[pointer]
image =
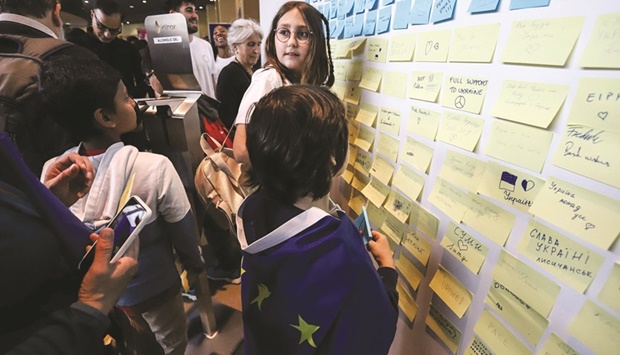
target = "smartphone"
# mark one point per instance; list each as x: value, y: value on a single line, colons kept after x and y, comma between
x: 127, y: 223
x: 363, y: 225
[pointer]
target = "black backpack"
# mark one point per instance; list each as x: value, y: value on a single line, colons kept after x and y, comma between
x: 37, y: 137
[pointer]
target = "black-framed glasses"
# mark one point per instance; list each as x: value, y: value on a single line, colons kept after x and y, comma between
x: 104, y: 28
x: 283, y: 34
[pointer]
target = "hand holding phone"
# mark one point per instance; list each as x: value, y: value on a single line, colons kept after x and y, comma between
x: 363, y: 225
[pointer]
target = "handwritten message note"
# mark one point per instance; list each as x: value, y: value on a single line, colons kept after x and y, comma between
x: 447, y: 332
x: 449, y: 199
x: 353, y: 131
x: 526, y: 283
x: 402, y: 47
x: 497, y: 337
x: 433, y: 46
x: 406, y: 302
x: 603, y: 49
x: 423, y: 122
x: 474, y: 44
x: 365, y: 137
x: 465, y: 94
x: 360, y: 180
x: 388, y: 146
x: 377, y: 50
x: 354, y: 70
x: 340, y: 70
x: 409, y: 182
x: 393, y: 229
x: 609, y: 292
x: 376, y: 191
x: 371, y: 79
x: 443, y: 10
x: 395, y: 84
x: 477, y: 346
x: 596, y: 328
x: 586, y: 214
x: 363, y: 162
x: 347, y: 175
x: 462, y: 170
x: 490, y: 220
x: 542, y: 41
x: 518, y: 144
x: 517, y: 313
x: 590, y: 152
x: 412, y: 275
x: 569, y: 261
x: 424, y: 221
x: 385, y: 17
x: 353, y: 93
x: 556, y: 346
x: 418, y: 246
x: 454, y: 294
x: 597, y: 104
x: 534, y: 104
x: 399, y: 206
x: 464, y: 247
x: 417, y: 154
x: 356, y: 201
x: 425, y: 85
x: 339, y: 89
x: 510, y: 186
x: 460, y: 130
x: 382, y: 170
x: 367, y: 114
x: 376, y: 214
x: 352, y: 154
x: 370, y: 26
x: 401, y: 15
x: 389, y: 120
x: 351, y: 111
x: 421, y: 11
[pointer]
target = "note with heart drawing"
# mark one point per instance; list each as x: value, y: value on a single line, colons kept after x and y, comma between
x: 464, y: 247
x: 433, y: 46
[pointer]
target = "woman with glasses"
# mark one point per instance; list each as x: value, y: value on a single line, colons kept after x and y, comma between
x: 298, y: 52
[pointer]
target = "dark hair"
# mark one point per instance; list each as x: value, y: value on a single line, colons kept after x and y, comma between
x: 174, y: 5
x: 73, y: 88
x: 33, y: 8
x: 108, y: 7
x: 320, y: 69
x: 297, y: 142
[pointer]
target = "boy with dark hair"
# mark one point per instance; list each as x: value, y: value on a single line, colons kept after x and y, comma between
x: 308, y: 277
x: 90, y: 100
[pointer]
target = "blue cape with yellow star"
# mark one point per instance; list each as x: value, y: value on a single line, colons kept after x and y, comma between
x: 309, y: 286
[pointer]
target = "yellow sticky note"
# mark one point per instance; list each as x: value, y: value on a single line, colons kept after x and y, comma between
x: 352, y: 93
x: 347, y: 175
x: 451, y: 291
x: 388, y: 146
x: 339, y: 89
x: 351, y: 111
x: 590, y: 216
x: 602, y: 49
x: 354, y: 70
x: 412, y: 275
x: 357, y: 45
x: 556, y: 346
x: 490, y: 220
x: 568, y: 260
x: 518, y: 314
x: 409, y: 182
x: 477, y: 347
x: 423, y: 122
x: 596, y: 104
x: 352, y: 154
x: 377, y: 50
x: 460, y: 130
x: 590, y: 152
x: 543, y: 41
x: 425, y: 85
x: 363, y: 162
x: 424, y: 221
x: 449, y: 199
x: 371, y: 79
x: 510, y: 186
x: 399, y: 206
x: 401, y: 48
x: 464, y: 247
x: 395, y: 84
x: 376, y: 192
x: 447, y: 332
x: 357, y: 201
x: 365, y: 137
x: 382, y: 170
x: 367, y: 114
x: 535, y: 104
x: 526, y: 283
x: 406, y: 302
x: 393, y: 229
x: 433, y: 46
x: 353, y: 131
x: 376, y: 214
x: 360, y: 180
x: 610, y: 294
x: 417, y: 154
x: 418, y: 246
x: 497, y: 337
x: 340, y: 68
x: 389, y: 120
x: 521, y: 145
x: 462, y: 170
x: 474, y: 43
x: 596, y: 328
x: 464, y: 93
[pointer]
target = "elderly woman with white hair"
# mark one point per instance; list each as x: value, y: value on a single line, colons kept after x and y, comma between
x: 244, y: 38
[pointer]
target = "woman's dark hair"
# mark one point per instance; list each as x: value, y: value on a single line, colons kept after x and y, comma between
x: 297, y: 142
x: 320, y: 69
x: 34, y: 8
x: 72, y: 89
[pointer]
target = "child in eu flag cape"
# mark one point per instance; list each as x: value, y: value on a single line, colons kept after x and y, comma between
x: 308, y: 283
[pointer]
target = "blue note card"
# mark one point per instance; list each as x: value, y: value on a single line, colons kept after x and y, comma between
x: 385, y: 17
x: 358, y: 26
x: 420, y: 12
x: 333, y: 11
x: 371, y: 23
x: 524, y: 4
x: 483, y: 6
x: 363, y: 225
x: 401, y: 17
x: 443, y: 10
x: 387, y: 2
x: 348, y: 7
x: 371, y: 4
x: 348, y: 27
x: 341, y: 9
x: 359, y: 6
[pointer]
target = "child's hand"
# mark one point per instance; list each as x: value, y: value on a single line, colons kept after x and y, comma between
x: 380, y: 250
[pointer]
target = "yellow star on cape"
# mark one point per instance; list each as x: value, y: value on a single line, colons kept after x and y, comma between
x: 306, y: 331
x: 263, y: 293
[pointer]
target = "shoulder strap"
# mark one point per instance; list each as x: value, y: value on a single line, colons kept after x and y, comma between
x: 216, y: 158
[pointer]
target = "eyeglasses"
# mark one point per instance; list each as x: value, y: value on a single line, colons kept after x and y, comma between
x: 104, y: 28
x: 283, y: 34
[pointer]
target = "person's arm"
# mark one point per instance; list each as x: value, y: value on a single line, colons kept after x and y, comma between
x: 239, y: 149
x: 69, y: 178
x: 379, y: 247
x: 185, y: 242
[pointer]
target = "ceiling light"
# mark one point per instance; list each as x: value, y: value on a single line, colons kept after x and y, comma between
x: 68, y: 23
x: 200, y: 7
x: 144, y: 1
x: 131, y: 6
x: 86, y: 1
x: 127, y: 22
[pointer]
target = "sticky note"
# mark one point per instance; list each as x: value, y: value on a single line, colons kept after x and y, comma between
x: 596, y: 104
x: 353, y: 93
x: 360, y: 180
x: 477, y: 6
x: 376, y: 191
x: 402, y: 47
x: 418, y: 246
x: 424, y: 221
x: 602, y: 49
x: 401, y: 15
x: 406, y: 302
x: 398, y: 205
x: 363, y: 162
x: 354, y: 70
x: 347, y: 175
x: 556, y: 346
x: 464, y: 93
x: 385, y: 17
x: 408, y: 181
x: 596, y: 328
x: 376, y: 214
x: 423, y: 122
x: 371, y: 79
x: 609, y: 292
x: 454, y: 294
x: 393, y: 229
x: 425, y: 85
x: 447, y: 332
x: 395, y: 84
x: 389, y: 120
x: 388, y: 146
x: 477, y: 346
x: 462, y: 170
x: 411, y: 274
x: 460, y: 130
x: 498, y: 337
x: 421, y: 11
x: 474, y: 44
x: 433, y: 46
x: 449, y: 199
x: 490, y: 220
x: 417, y: 154
x: 377, y: 50
x: 351, y: 111
x: 464, y: 247
x: 443, y: 10
x: 367, y: 114
x: 365, y: 137
x: 382, y: 170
